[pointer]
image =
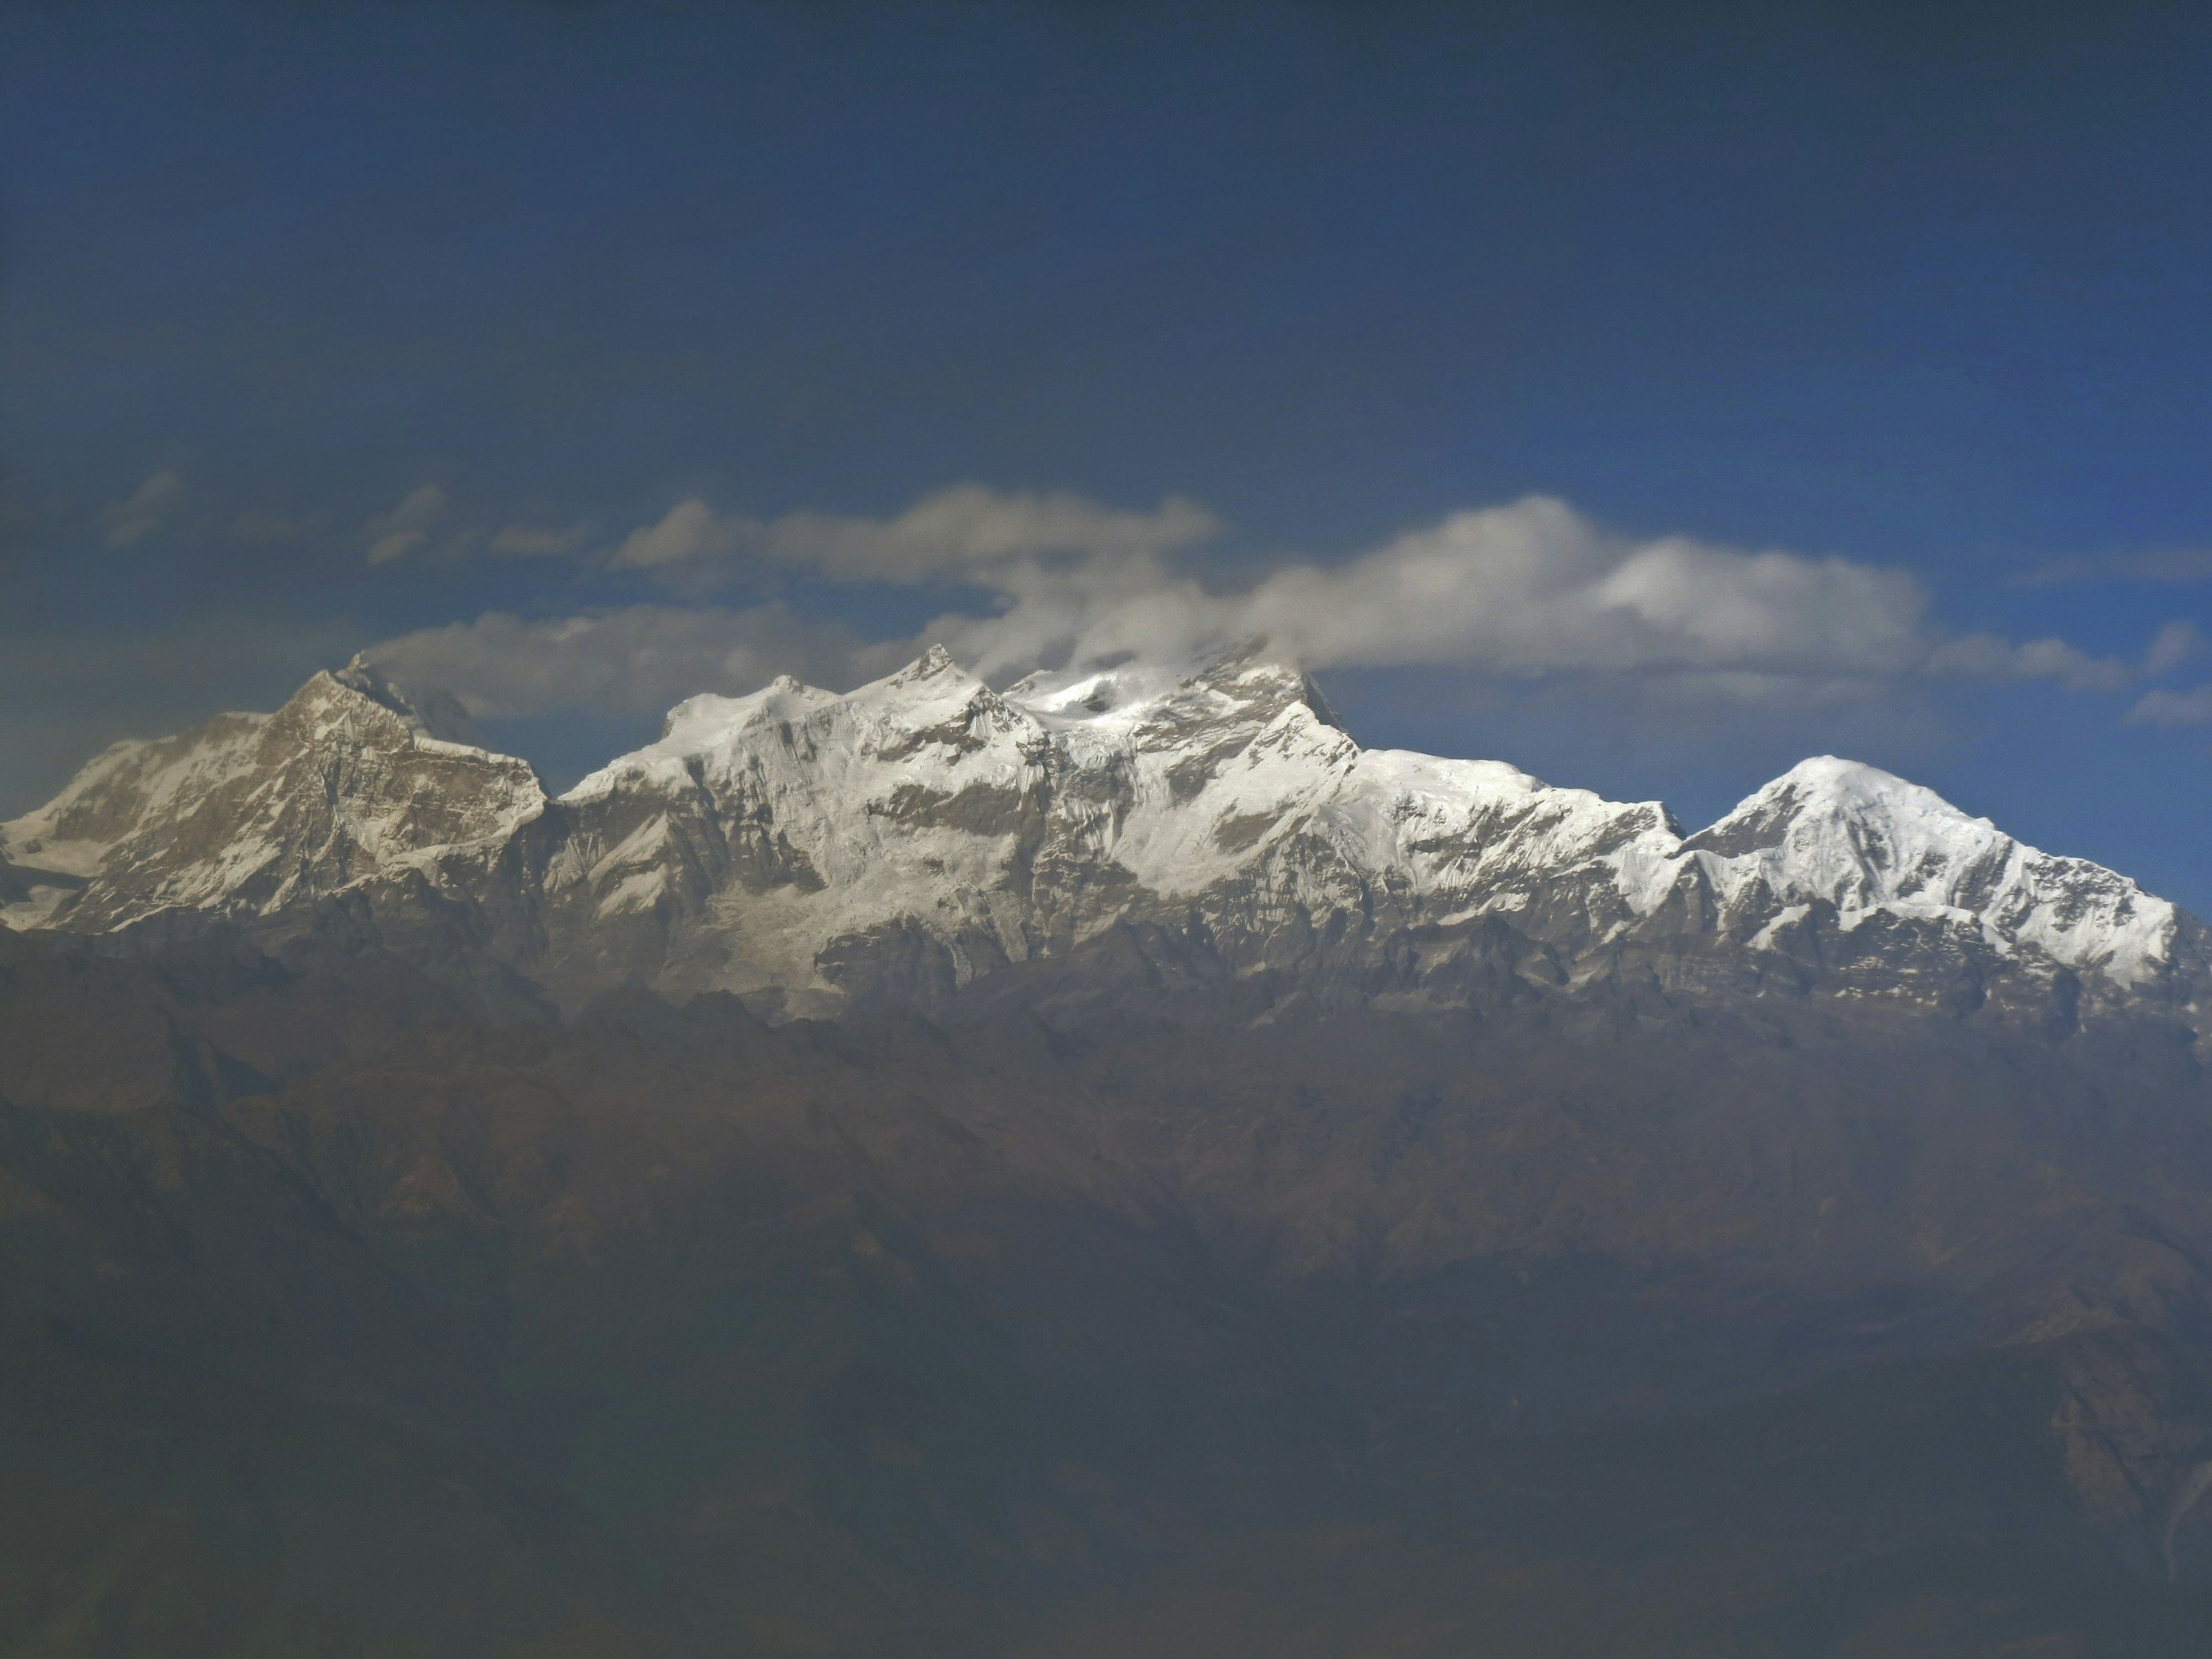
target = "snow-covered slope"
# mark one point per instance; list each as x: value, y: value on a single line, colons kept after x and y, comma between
x: 1213, y: 828
x: 1868, y: 843
x: 926, y: 829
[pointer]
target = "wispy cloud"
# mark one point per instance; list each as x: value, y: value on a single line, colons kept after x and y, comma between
x: 962, y: 531
x: 394, y: 535
x: 953, y: 534
x: 534, y: 541
x: 143, y: 511
x: 1987, y: 657
x: 2167, y: 564
x: 690, y: 541
x: 2176, y: 643
x: 2163, y: 707
x: 1531, y: 588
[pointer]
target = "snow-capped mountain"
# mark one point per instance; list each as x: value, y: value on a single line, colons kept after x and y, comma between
x: 1211, y: 835
x: 1832, y: 832
x: 254, y: 815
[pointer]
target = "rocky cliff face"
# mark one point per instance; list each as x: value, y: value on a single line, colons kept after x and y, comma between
x: 263, y: 816
x: 1093, y: 838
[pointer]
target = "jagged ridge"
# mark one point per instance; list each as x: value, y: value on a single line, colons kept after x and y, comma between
x: 903, y: 842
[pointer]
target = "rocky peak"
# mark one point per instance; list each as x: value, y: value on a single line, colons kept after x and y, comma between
x: 934, y: 710
x: 928, y: 665
x: 429, y: 713
x: 251, y: 813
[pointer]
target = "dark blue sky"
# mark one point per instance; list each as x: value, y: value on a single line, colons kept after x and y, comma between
x: 1924, y: 296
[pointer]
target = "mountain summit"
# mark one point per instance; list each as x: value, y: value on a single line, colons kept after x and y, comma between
x: 1206, y: 842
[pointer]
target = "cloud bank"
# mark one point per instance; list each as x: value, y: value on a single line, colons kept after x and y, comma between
x: 1529, y: 590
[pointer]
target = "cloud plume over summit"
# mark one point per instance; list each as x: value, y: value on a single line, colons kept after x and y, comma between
x: 1532, y: 587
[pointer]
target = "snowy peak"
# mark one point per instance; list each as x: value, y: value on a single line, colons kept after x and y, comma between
x: 932, y: 664
x: 1825, y: 793
x: 1857, y: 835
x: 934, y: 709
x: 250, y: 812
x: 759, y: 830
x: 761, y: 835
x: 1128, y: 695
x: 699, y: 730
x: 930, y: 714
x: 1866, y: 842
x: 899, y: 841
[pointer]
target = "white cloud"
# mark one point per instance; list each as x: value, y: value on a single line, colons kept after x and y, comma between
x: 1985, y: 656
x: 393, y: 535
x: 1531, y: 590
x: 1534, y: 587
x: 141, y: 513
x: 691, y: 533
x: 1524, y: 590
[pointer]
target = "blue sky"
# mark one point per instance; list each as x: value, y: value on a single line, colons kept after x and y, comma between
x: 643, y: 331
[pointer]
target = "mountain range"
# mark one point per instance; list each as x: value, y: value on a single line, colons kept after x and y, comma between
x: 1101, y: 1165
x: 1210, y: 839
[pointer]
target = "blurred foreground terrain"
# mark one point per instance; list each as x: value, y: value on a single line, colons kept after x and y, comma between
x: 1108, y: 1168
x: 343, y: 1321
